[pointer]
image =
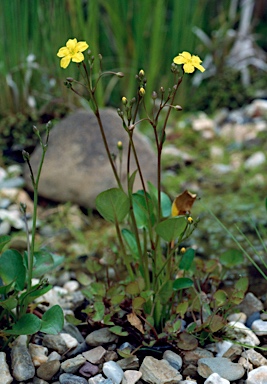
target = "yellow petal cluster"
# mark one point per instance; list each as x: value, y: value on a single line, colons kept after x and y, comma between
x: 190, y: 62
x: 72, y: 52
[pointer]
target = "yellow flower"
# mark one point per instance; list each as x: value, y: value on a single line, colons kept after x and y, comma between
x: 142, y: 91
x: 190, y: 62
x: 190, y: 220
x: 72, y: 51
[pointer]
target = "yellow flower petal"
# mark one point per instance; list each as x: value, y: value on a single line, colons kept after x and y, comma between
x: 64, y: 62
x: 188, y: 68
x: 71, y: 43
x: 63, y: 52
x: 82, y: 46
x: 179, y: 60
x: 78, y: 57
x: 186, y: 55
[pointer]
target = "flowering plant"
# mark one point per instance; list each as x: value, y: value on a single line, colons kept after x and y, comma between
x: 151, y: 229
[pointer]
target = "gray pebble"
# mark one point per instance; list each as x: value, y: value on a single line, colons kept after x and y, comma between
x: 47, y: 370
x: 22, y: 365
x: 99, y: 337
x: 73, y: 365
x: 173, y: 359
x: 113, y: 371
x: 6, y: 378
x: 68, y: 378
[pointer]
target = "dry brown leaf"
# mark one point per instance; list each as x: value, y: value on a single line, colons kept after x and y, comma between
x: 135, y: 322
x: 182, y: 204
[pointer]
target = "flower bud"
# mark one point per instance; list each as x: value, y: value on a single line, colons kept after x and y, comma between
x: 183, y: 250
x: 25, y: 155
x: 100, y: 56
x: 142, y: 91
x: 154, y: 95
x: 119, y: 145
x: 35, y: 129
x: 124, y: 100
x: 190, y: 220
x: 178, y: 108
x: 70, y: 79
x: 162, y: 90
x: 141, y: 73
x: 120, y: 113
x: 120, y: 74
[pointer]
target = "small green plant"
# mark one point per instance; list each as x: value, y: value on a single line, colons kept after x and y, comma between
x: 151, y: 229
x: 19, y: 314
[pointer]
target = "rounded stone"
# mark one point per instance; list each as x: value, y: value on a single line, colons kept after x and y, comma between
x: 47, y: 370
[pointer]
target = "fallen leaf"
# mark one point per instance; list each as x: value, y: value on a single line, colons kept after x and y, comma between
x: 135, y: 322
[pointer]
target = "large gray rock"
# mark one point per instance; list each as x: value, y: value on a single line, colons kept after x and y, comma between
x: 76, y: 166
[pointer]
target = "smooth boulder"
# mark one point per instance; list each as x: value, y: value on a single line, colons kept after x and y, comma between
x: 76, y: 166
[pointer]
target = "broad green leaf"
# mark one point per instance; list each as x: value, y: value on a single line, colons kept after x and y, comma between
x: 94, y: 289
x: 187, y: 259
x: 166, y: 203
x: 118, y: 330
x: 135, y: 287
x: 27, y: 325
x: 12, y: 268
x: 131, y: 242
x: 99, y: 308
x: 182, y: 283
x: 3, y: 241
x: 242, y: 284
x: 9, y: 303
x: 220, y: 297
x: 72, y: 320
x: 138, y: 303
x: 170, y: 229
x: 113, y: 205
x: 4, y: 289
x: 117, y: 299
x: 231, y: 258
x: 143, y: 213
x: 182, y: 308
x: 215, y: 323
x: 52, y: 320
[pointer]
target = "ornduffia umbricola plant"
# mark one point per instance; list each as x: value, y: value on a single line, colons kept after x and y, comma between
x: 18, y: 290
x: 150, y: 228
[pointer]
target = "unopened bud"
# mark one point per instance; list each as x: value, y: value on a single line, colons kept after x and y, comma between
x: 190, y: 220
x: 154, y: 95
x: 100, y: 56
x: 25, y: 155
x: 141, y: 73
x: 133, y: 101
x: 142, y: 91
x: 23, y: 207
x: 124, y: 100
x: 120, y: 113
x: 119, y: 145
x: 183, y: 250
x: 178, y: 108
x: 162, y: 90
x: 120, y: 74
x: 35, y: 129
x: 70, y: 79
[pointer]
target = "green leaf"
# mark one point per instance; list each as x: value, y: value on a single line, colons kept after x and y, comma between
x: 117, y: 299
x: 9, y: 303
x: 143, y: 213
x: 52, y: 320
x: 220, y: 297
x: 3, y: 241
x: 182, y: 308
x: 182, y: 283
x: 72, y: 320
x: 138, y: 303
x: 165, y: 292
x: 12, y: 268
x: 242, y: 284
x: 131, y: 181
x: 45, y: 262
x: 215, y: 323
x: 27, y: 325
x: 170, y: 229
x: 131, y: 242
x: 187, y: 259
x: 94, y: 289
x: 99, y: 308
x: 113, y: 205
x: 166, y: 203
x: 29, y: 296
x: 118, y: 331
x: 4, y: 289
x: 231, y: 258
x: 135, y: 287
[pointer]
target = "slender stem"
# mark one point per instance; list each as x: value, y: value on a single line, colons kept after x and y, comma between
x: 123, y: 250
